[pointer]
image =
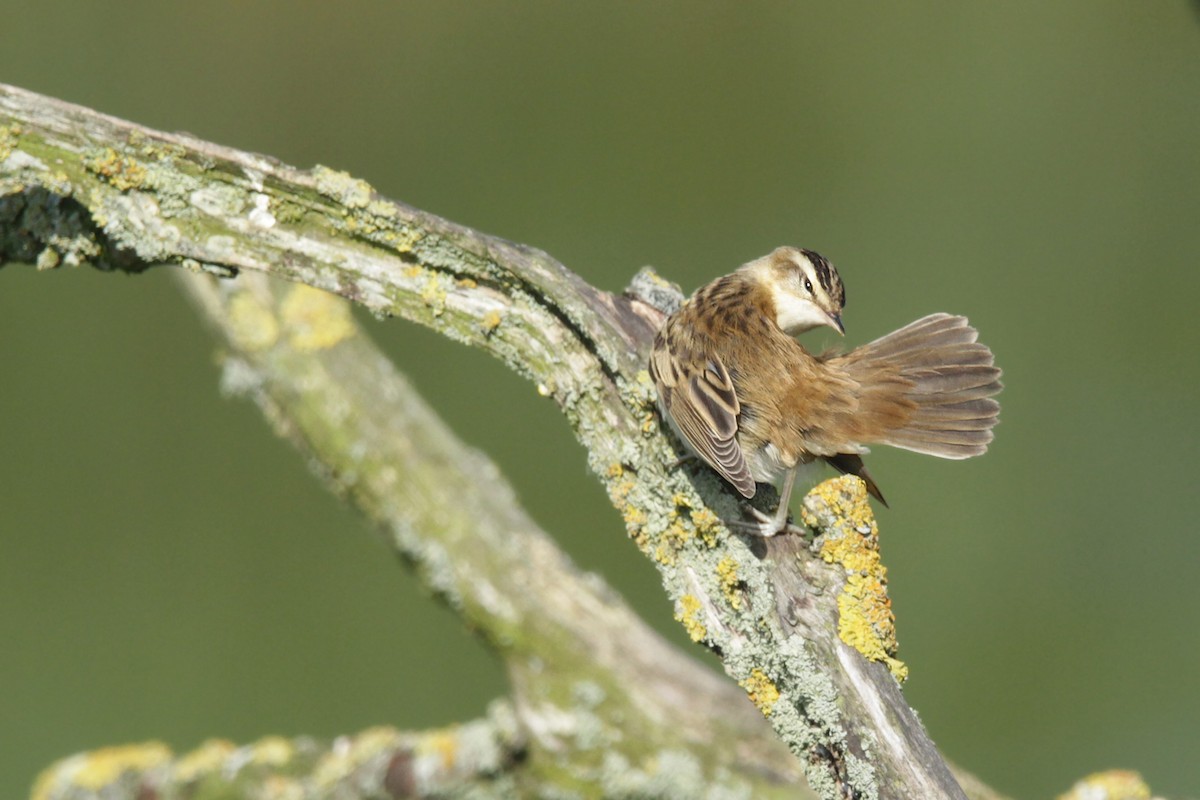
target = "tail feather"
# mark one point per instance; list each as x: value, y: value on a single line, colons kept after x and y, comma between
x: 947, y: 378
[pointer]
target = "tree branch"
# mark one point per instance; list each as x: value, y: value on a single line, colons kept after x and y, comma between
x: 585, y: 670
x: 77, y: 186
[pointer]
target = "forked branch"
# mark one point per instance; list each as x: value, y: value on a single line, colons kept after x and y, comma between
x: 77, y: 186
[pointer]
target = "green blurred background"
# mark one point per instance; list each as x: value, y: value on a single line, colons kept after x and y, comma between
x: 168, y: 569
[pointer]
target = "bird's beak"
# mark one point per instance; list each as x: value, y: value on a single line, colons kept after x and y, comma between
x: 835, y: 321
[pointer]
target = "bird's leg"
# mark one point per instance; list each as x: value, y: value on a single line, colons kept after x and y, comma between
x: 690, y: 458
x: 771, y: 525
x: 785, y: 499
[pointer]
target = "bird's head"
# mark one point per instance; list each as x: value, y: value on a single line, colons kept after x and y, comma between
x: 805, y: 288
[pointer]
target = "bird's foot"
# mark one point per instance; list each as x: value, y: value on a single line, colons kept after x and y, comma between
x: 765, y: 525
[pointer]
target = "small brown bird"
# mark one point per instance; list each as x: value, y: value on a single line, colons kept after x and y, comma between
x: 755, y: 405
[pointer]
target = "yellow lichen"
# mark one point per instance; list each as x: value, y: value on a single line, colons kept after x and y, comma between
x: 442, y: 745
x: 402, y: 240
x: 8, y: 139
x: 204, y: 760
x: 99, y: 768
x: 251, y: 324
x: 315, y: 320
x: 465, y: 283
x: 433, y: 294
x: 727, y: 574
x: 762, y: 691
x: 272, y: 751
x: 678, y: 534
x: 846, y: 498
x: 122, y: 172
x: 349, y: 191
x: 708, y: 525
x: 1115, y: 784
x: 281, y: 787
x: 634, y: 517
x: 867, y: 624
x: 865, y: 618
x: 615, y: 470
x: 619, y: 490
x: 690, y: 612
x: 491, y: 320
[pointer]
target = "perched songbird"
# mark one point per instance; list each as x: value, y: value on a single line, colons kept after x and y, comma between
x: 755, y: 405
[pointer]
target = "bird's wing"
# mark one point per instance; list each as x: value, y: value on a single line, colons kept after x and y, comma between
x: 699, y: 397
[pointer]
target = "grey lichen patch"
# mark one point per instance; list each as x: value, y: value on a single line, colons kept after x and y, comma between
x: 218, y: 199
x: 134, y: 223
x: 862, y: 776
x: 655, y: 291
x: 46, y: 228
x: 433, y: 561
x: 668, y: 774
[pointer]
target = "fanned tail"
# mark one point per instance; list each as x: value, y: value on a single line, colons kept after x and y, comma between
x: 948, y: 380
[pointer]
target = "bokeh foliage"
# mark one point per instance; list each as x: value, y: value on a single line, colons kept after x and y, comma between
x: 169, y: 570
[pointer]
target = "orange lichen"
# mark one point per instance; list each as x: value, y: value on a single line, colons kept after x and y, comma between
x: 122, y: 172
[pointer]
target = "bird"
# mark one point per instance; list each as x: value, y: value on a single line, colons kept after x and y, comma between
x: 755, y: 405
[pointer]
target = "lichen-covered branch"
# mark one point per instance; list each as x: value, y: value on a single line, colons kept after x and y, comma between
x: 77, y: 186
x: 596, y: 692
x: 470, y: 760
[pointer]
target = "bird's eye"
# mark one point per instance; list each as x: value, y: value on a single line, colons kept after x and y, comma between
x: 808, y: 285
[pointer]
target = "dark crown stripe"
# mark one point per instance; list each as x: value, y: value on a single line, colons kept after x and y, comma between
x: 826, y: 275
